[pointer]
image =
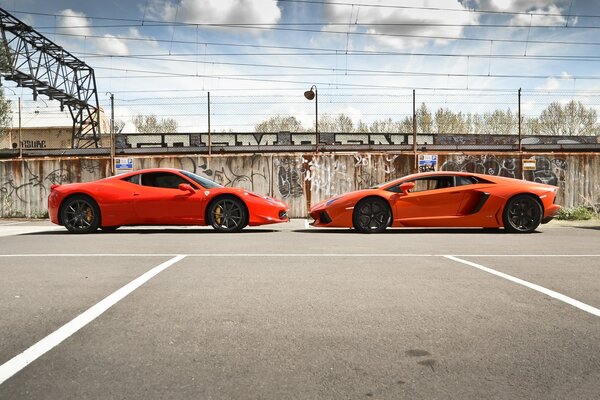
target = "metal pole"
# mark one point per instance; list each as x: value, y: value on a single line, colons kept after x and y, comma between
x: 520, y: 149
x: 414, y: 127
x: 209, y: 138
x: 317, y: 119
x: 20, y: 141
x: 112, y: 134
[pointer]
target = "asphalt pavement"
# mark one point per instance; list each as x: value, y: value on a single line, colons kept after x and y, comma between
x: 288, y: 311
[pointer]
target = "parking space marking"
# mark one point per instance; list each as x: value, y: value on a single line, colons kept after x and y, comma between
x: 17, y: 363
x: 288, y: 255
x: 538, y: 288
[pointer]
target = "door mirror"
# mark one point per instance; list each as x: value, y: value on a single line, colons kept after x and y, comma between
x: 406, y: 186
x: 186, y: 188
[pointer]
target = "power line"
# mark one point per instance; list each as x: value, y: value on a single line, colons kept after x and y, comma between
x: 145, y: 22
x: 334, y: 53
x: 428, y: 37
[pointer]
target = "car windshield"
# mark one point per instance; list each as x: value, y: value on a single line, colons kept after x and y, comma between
x: 383, y: 184
x: 204, y: 182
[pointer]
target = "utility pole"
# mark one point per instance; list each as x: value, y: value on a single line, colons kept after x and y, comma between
x: 414, y: 127
x: 20, y: 140
x: 112, y: 134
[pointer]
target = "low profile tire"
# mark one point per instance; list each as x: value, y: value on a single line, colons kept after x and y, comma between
x: 109, y: 229
x: 371, y: 215
x: 522, y: 214
x: 227, y: 214
x: 80, y: 214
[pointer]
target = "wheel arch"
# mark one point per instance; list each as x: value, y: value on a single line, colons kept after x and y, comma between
x: 70, y: 196
x: 528, y: 194
x: 222, y: 196
x: 533, y: 196
x: 375, y: 196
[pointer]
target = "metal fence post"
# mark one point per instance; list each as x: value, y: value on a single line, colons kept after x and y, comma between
x: 209, y: 138
x: 414, y: 128
x: 520, y: 120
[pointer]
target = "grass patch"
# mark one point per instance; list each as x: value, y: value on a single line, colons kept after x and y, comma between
x: 581, y: 213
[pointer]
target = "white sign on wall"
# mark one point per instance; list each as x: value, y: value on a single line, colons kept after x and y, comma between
x: 123, y: 165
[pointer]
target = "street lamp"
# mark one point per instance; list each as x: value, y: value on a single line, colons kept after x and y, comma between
x: 310, y: 94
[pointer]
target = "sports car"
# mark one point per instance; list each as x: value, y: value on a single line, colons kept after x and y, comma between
x: 159, y: 196
x: 441, y: 199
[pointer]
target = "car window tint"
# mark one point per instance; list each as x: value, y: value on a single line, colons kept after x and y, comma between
x: 433, y: 183
x: 465, y: 180
x: 165, y: 180
x: 133, y: 179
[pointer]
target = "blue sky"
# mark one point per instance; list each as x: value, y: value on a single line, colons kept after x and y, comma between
x: 155, y: 54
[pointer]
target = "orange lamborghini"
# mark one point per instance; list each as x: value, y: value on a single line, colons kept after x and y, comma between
x: 441, y: 199
x: 159, y: 196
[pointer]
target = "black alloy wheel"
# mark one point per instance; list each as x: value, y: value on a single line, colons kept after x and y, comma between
x: 227, y: 214
x: 80, y: 214
x: 371, y: 215
x: 522, y: 214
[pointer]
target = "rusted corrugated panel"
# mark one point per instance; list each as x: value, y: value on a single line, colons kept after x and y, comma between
x: 300, y: 180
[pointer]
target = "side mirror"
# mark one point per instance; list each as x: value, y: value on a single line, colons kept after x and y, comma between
x: 186, y: 188
x: 406, y: 186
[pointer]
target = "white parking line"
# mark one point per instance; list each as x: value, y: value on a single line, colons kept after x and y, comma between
x: 538, y: 288
x: 288, y: 255
x: 20, y: 361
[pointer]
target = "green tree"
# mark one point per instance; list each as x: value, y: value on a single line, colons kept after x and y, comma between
x: 385, y: 126
x: 447, y: 121
x: 570, y: 119
x: 341, y: 123
x: 5, y: 113
x: 424, y: 120
x: 151, y: 124
x: 500, y: 122
x: 279, y: 123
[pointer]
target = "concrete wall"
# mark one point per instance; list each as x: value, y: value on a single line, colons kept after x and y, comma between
x: 298, y: 179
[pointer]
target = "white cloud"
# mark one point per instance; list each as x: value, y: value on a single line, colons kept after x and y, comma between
x: 551, y: 20
x: 553, y: 83
x: 404, y: 21
x: 112, y: 45
x: 73, y: 23
x: 530, y: 6
x: 217, y: 11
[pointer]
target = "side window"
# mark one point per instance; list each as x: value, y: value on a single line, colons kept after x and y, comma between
x: 133, y: 179
x: 165, y: 180
x: 433, y: 183
x: 465, y: 180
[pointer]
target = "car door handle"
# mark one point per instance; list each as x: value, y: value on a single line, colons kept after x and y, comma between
x: 136, y: 194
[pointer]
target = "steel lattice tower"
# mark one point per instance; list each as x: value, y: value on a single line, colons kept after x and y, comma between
x: 35, y: 62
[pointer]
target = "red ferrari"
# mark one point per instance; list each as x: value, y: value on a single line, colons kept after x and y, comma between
x: 159, y: 196
x: 442, y: 199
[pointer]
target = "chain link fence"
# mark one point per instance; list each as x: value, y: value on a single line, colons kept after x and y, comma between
x: 341, y: 117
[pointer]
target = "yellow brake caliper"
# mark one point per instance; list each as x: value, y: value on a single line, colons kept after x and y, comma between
x: 218, y: 215
x: 88, y: 215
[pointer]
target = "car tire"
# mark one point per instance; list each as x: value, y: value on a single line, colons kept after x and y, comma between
x: 522, y: 214
x: 80, y: 214
x: 227, y: 214
x: 371, y: 215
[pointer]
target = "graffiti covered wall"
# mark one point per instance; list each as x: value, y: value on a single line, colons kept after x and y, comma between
x: 300, y: 180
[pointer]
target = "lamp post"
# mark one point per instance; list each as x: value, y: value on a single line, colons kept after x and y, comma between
x: 310, y: 94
